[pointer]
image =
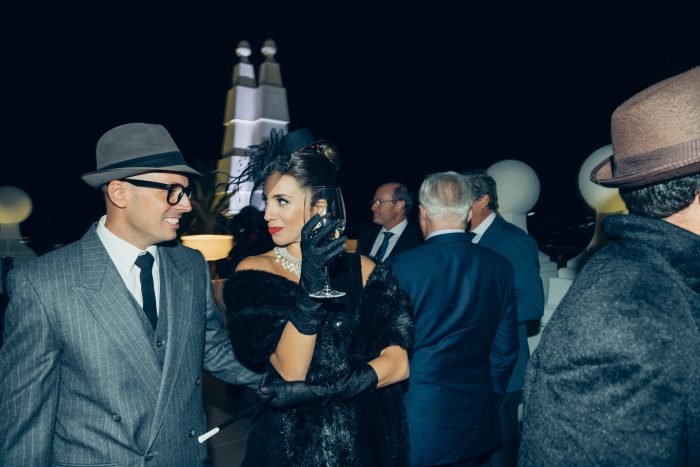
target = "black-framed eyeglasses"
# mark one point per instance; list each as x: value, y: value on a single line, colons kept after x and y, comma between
x: 378, y: 202
x: 175, y: 190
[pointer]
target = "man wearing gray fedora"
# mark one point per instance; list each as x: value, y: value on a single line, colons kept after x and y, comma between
x: 615, y: 379
x: 106, y: 339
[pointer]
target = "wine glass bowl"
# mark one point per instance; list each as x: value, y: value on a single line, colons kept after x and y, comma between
x: 329, y: 204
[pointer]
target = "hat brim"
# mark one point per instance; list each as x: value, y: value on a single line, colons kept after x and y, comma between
x: 100, y: 177
x: 602, y: 174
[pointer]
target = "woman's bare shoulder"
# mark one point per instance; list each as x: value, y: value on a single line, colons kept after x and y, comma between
x: 367, y: 266
x: 263, y: 262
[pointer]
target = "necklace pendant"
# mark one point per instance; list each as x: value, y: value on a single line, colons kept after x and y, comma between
x: 287, y: 260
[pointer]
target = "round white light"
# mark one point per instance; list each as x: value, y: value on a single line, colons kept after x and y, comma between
x: 517, y: 184
x: 15, y: 205
x: 602, y: 199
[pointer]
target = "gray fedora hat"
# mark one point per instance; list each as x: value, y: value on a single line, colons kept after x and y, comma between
x: 136, y: 148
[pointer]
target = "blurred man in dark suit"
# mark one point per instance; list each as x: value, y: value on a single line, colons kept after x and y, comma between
x: 393, y: 233
x: 495, y: 233
x: 466, y: 331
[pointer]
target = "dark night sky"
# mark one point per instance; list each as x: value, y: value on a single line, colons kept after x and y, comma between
x: 403, y: 91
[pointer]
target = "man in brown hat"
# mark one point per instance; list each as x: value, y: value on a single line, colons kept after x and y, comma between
x: 106, y: 338
x: 615, y: 379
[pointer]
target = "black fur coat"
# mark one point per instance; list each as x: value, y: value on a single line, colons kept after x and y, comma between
x: 364, y: 431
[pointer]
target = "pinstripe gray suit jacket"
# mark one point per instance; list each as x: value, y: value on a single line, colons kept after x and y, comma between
x: 80, y: 382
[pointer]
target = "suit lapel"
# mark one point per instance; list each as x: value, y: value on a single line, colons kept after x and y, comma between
x: 365, y: 247
x: 490, y: 237
x: 105, y: 296
x: 176, y: 279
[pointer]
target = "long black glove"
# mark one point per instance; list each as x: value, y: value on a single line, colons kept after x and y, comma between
x: 359, y: 380
x: 288, y: 394
x: 316, y: 253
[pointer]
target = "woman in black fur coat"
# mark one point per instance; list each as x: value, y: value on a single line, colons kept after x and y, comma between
x: 331, y: 365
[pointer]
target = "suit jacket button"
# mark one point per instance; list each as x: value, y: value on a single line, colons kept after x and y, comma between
x: 191, y: 433
x: 116, y: 417
x: 148, y: 457
x: 160, y: 343
x: 198, y: 382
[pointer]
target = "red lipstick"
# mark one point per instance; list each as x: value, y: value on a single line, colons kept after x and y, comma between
x: 273, y: 230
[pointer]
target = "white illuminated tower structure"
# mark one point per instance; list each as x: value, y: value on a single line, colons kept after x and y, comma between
x: 252, y: 110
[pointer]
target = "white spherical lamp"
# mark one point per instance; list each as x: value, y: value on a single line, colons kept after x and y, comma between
x: 15, y: 205
x: 518, y: 190
x: 517, y: 184
x: 602, y: 199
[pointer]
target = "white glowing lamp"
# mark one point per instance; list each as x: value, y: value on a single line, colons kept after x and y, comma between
x: 518, y: 189
x: 15, y: 207
x: 213, y: 247
x: 602, y: 199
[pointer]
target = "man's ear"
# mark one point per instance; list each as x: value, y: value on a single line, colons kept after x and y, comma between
x: 401, y: 205
x: 469, y: 215
x: 115, y: 192
x: 423, y: 220
x: 483, y: 201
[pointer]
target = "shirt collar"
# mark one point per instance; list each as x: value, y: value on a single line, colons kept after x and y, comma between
x: 123, y: 253
x: 398, y: 229
x: 485, y: 224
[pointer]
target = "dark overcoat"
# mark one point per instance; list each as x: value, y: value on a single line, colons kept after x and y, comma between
x: 615, y: 379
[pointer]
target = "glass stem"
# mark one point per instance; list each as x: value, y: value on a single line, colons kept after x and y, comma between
x: 326, y: 280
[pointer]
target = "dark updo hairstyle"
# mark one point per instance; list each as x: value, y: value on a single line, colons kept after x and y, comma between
x: 297, y: 154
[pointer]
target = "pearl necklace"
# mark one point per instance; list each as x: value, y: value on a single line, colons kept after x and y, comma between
x: 287, y: 260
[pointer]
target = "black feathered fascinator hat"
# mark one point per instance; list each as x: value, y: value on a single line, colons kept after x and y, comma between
x: 274, y: 154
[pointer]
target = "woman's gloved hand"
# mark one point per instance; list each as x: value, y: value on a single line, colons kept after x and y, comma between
x: 359, y: 380
x: 316, y: 253
x: 288, y: 394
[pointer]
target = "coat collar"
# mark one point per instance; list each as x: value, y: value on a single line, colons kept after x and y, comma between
x: 449, y: 238
x: 658, y: 242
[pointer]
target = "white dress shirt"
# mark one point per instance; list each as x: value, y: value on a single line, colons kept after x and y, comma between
x: 397, y: 230
x: 481, y: 228
x: 123, y: 255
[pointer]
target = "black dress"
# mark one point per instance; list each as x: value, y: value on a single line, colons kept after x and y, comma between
x: 364, y: 431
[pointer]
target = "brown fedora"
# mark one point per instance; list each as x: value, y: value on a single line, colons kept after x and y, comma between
x: 655, y: 135
x: 133, y: 149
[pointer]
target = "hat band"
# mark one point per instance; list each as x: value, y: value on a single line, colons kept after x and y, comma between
x: 155, y: 161
x: 666, y: 158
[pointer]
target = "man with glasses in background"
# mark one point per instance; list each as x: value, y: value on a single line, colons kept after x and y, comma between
x: 393, y: 233
x: 106, y: 339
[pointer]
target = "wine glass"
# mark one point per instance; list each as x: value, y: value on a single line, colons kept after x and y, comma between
x: 329, y: 204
